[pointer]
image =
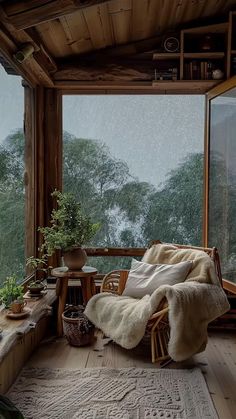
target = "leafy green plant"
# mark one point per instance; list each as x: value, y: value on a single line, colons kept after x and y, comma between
x: 70, y: 227
x: 35, y: 284
x: 37, y: 265
x: 11, y: 291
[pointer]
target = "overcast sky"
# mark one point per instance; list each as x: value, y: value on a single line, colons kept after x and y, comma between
x: 151, y: 133
x: 11, y: 104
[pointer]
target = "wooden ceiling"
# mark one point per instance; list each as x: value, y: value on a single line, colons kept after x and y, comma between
x: 61, y: 30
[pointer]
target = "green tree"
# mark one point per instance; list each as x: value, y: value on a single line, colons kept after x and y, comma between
x: 175, y: 212
x: 12, y: 231
x: 131, y: 213
x: 109, y: 194
x: 104, y: 186
x: 222, y: 209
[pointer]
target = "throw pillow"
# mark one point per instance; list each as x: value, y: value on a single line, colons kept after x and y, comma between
x: 145, y: 278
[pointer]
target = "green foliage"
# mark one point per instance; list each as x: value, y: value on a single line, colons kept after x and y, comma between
x: 70, y: 227
x: 130, y: 213
x: 35, y: 284
x: 12, y: 207
x: 10, y: 291
x: 175, y: 212
x: 37, y: 263
x: 222, y: 207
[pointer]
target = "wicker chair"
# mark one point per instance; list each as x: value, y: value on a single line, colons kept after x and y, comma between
x: 158, y: 325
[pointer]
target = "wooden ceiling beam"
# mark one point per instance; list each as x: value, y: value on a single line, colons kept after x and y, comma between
x: 106, y: 72
x: 42, y: 54
x: 38, y: 67
x: 7, y: 49
x: 28, y: 13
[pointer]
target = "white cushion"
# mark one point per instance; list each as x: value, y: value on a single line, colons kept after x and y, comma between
x: 145, y: 278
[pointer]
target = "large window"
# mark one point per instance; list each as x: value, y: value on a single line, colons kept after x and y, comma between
x: 12, y: 236
x: 136, y: 165
x: 222, y: 186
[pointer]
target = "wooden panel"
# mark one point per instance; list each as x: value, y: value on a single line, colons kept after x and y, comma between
x: 166, y: 55
x: 111, y: 72
x: 218, y: 28
x: 217, y: 363
x: 104, y: 86
x: 204, y: 55
x: 120, y: 12
x: 7, y: 49
x: 24, y: 14
x: 35, y: 64
x: 178, y: 12
x: 206, y: 174
x: 15, y: 359
x: 77, y: 34
x: 222, y: 88
x: 54, y: 37
x: 229, y: 46
x: 39, y: 164
x: 145, y: 18
x: 185, y: 86
x: 115, y: 251
x: 30, y: 173
x: 53, y: 154
x: 99, y: 26
x: 108, y: 23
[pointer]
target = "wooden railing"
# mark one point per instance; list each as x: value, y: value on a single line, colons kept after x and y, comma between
x: 115, y: 251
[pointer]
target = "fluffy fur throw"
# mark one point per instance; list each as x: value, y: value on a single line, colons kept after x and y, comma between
x: 192, y: 305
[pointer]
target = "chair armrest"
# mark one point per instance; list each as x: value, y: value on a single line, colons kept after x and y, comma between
x: 115, y: 281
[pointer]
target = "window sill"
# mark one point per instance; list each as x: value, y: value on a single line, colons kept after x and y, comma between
x: 13, y: 330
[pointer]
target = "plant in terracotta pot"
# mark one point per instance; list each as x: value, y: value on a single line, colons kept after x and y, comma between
x: 11, y: 294
x: 37, y: 265
x: 70, y: 229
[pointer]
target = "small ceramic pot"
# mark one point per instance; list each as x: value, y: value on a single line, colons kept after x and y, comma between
x: 75, y: 259
x: 37, y: 288
x: 17, y: 306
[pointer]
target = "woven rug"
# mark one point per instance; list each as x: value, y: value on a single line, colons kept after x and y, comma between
x: 128, y: 393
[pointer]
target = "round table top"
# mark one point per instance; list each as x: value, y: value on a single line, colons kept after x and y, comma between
x: 63, y: 271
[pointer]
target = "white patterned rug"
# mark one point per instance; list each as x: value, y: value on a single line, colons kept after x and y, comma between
x: 128, y: 393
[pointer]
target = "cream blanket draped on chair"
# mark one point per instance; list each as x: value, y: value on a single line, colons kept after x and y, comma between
x: 193, y: 304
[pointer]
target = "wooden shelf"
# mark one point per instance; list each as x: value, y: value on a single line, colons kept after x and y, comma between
x: 233, y: 51
x: 185, y: 86
x: 217, y: 28
x: 166, y: 55
x: 206, y: 55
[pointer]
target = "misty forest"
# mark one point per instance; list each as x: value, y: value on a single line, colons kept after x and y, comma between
x: 131, y: 213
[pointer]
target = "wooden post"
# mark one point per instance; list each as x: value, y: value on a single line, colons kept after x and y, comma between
x: 39, y: 163
x: 43, y: 159
x: 30, y: 172
x: 52, y: 154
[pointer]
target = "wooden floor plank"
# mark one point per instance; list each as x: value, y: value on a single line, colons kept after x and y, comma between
x: 217, y: 362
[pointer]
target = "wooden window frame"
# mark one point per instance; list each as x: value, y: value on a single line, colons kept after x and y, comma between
x: 212, y: 94
x: 46, y: 166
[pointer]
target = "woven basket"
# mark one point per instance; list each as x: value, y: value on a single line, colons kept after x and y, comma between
x: 79, y: 331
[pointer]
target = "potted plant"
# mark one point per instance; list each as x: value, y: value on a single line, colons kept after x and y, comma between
x: 37, y: 265
x: 70, y: 229
x: 11, y: 294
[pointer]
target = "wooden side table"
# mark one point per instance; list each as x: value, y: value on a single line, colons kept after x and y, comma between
x: 63, y: 274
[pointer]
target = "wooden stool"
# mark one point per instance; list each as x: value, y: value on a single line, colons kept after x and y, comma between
x: 63, y: 274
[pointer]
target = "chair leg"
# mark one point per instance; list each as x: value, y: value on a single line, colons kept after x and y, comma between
x: 159, y: 341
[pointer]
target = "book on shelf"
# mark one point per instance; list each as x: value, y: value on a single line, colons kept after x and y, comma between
x: 198, y: 70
